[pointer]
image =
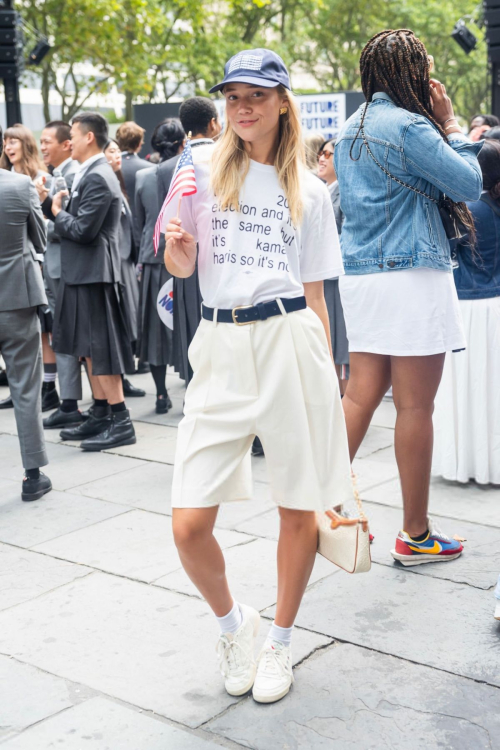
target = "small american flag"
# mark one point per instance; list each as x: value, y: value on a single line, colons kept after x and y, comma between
x: 183, y: 182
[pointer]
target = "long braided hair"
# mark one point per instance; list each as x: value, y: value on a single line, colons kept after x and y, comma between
x: 396, y: 62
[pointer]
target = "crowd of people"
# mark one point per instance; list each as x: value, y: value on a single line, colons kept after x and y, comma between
x: 294, y: 337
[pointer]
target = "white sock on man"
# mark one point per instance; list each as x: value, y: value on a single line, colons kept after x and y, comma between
x: 232, y: 621
x: 283, y: 635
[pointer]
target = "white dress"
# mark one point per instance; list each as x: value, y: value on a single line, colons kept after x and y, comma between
x: 407, y: 313
x: 467, y: 412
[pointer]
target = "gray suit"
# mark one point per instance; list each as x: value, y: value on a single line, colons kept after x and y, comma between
x: 21, y: 291
x: 131, y: 165
x: 147, y: 209
x: 68, y: 367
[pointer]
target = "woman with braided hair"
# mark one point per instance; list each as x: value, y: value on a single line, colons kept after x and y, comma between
x: 396, y: 158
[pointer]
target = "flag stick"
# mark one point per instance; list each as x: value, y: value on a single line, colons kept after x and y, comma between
x: 179, y: 204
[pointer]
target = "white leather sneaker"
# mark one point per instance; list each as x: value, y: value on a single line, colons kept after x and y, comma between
x: 274, y: 673
x: 235, y: 650
x: 497, y: 610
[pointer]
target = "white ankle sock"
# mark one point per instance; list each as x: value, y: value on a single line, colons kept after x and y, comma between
x: 232, y: 621
x: 283, y: 635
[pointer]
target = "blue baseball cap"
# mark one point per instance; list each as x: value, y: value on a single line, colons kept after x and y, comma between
x: 260, y: 67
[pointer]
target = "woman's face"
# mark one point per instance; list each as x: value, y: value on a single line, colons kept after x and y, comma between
x: 326, y: 170
x: 477, y: 122
x: 13, y: 148
x: 253, y: 111
x: 114, y: 157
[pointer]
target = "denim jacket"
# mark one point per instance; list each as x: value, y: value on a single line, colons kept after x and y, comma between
x: 478, y: 273
x: 387, y: 226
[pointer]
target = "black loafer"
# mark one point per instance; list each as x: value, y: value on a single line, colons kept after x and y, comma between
x: 131, y: 391
x: 98, y: 421
x: 120, y: 432
x: 3, y: 378
x: 257, y: 448
x: 60, y: 418
x: 34, y: 489
x: 50, y: 399
x: 163, y: 404
x: 7, y: 403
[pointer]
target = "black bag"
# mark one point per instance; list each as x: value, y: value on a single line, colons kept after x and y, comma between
x: 453, y: 226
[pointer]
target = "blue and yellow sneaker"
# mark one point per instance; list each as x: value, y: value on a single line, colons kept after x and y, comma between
x: 436, y: 547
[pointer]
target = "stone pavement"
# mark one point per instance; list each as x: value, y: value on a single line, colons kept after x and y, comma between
x: 106, y: 645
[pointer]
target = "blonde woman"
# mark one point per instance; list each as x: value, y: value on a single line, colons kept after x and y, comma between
x: 261, y: 358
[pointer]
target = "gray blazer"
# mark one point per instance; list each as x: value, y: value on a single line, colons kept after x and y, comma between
x: 131, y: 165
x: 147, y: 209
x: 53, y: 252
x: 23, y: 235
x: 89, y: 228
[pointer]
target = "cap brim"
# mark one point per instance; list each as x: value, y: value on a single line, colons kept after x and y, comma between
x: 265, y: 83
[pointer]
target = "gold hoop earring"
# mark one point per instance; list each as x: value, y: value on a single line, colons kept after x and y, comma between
x: 283, y: 110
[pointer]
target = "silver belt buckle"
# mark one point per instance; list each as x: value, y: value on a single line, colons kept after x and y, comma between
x: 241, y: 307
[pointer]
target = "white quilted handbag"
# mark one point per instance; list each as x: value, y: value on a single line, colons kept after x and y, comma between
x: 345, y: 541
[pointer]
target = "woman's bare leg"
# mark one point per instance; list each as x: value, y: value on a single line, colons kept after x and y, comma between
x: 415, y: 381
x: 297, y: 546
x: 48, y: 354
x: 201, y: 556
x: 369, y: 381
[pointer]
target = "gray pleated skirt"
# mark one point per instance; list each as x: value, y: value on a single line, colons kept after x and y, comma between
x: 131, y: 296
x: 91, y: 321
x: 154, y: 344
x: 187, y: 316
x: 340, y: 344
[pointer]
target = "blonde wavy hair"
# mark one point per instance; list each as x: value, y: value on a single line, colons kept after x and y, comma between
x: 230, y: 161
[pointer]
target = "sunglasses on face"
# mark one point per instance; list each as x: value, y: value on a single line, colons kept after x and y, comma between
x: 326, y: 154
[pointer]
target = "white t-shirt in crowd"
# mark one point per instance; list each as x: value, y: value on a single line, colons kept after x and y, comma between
x: 255, y: 254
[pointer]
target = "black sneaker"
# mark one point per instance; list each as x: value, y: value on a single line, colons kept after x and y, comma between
x: 50, y: 397
x: 7, y: 403
x: 98, y: 422
x: 257, y: 448
x: 131, y: 391
x: 60, y: 418
x: 34, y: 489
x: 163, y: 404
x: 120, y: 432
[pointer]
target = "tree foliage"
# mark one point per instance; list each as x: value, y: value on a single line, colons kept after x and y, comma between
x: 150, y: 48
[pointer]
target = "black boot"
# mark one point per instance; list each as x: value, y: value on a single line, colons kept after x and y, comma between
x: 130, y: 390
x: 34, y: 489
x: 50, y: 397
x: 61, y: 418
x: 163, y: 404
x: 98, y: 421
x: 142, y: 368
x: 120, y: 432
x: 7, y: 403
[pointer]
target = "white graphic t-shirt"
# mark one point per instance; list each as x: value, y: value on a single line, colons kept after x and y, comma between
x: 255, y: 254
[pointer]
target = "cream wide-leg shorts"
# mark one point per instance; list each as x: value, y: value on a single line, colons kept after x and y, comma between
x: 274, y: 379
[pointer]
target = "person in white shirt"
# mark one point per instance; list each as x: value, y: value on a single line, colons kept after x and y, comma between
x: 261, y: 358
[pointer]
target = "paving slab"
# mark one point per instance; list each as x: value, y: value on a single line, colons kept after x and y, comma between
x: 375, y: 440
x: 28, y: 695
x: 134, y: 642
x: 25, y: 575
x: 232, y: 514
x: 147, y: 486
x: 136, y: 544
x: 57, y: 513
x: 478, y: 566
x: 154, y: 443
x: 251, y: 572
x: 371, y: 472
x: 265, y: 525
x: 385, y: 415
x: 438, y: 623
x: 102, y: 724
x: 468, y: 502
x: 348, y: 698
x: 144, y: 409
x: 68, y: 466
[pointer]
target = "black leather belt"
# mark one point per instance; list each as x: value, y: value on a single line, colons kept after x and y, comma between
x: 246, y: 314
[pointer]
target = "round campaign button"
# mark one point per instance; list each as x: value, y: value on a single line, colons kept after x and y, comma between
x: 165, y: 304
